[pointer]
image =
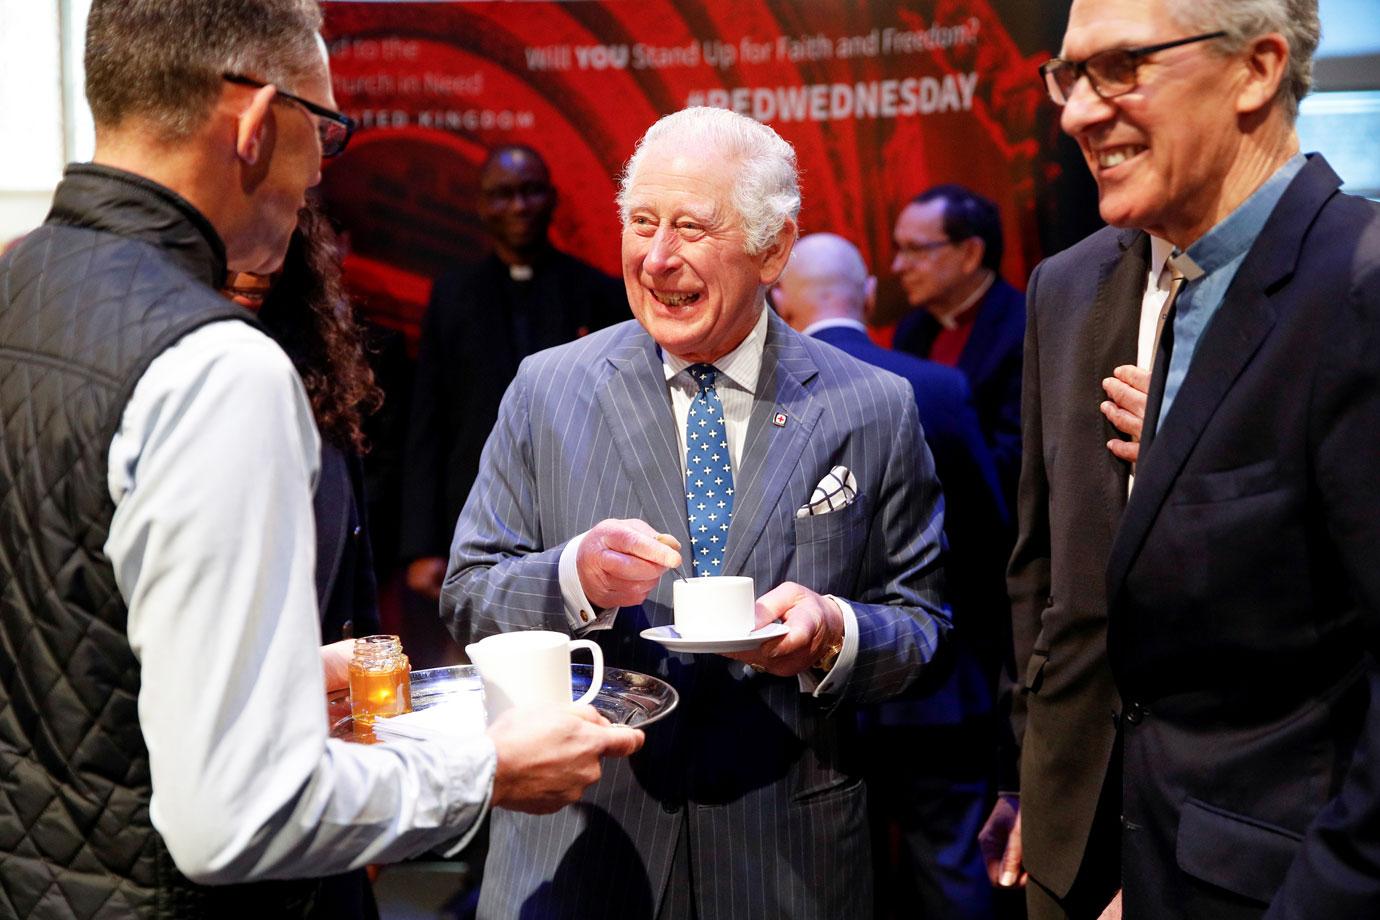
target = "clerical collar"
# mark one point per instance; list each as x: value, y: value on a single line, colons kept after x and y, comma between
x: 1160, y: 251
x: 520, y: 272
x: 950, y: 319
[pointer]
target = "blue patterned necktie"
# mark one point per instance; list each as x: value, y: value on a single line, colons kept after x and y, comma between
x: 708, y: 474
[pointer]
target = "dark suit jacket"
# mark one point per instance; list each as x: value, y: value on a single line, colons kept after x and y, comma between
x: 479, y: 325
x: 347, y: 595
x: 992, y: 361
x: 1084, y: 312
x: 975, y: 523
x: 345, y: 587
x: 1244, y: 586
x: 765, y: 777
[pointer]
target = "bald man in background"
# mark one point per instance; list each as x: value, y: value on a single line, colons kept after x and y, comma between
x: 930, y: 756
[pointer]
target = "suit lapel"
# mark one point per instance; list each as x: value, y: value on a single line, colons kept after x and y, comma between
x: 1113, y: 330
x: 771, y: 453
x: 980, y: 349
x: 637, y: 410
x: 1230, y: 340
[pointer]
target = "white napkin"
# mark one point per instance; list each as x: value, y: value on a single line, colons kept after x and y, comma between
x: 460, y: 717
x: 838, y: 489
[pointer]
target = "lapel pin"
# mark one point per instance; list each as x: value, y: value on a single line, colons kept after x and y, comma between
x: 779, y: 420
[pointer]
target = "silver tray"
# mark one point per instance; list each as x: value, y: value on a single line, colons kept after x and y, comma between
x: 624, y: 698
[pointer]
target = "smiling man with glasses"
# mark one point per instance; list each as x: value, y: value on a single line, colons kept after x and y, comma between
x: 482, y: 319
x: 1110, y: 73
x: 1199, y: 691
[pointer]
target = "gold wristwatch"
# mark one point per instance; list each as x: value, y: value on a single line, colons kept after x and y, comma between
x: 831, y: 655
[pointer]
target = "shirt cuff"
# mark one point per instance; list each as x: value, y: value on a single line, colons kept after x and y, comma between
x: 843, y: 665
x: 470, y: 790
x: 581, y: 614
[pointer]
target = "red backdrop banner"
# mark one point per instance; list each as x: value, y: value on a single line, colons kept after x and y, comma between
x: 880, y: 99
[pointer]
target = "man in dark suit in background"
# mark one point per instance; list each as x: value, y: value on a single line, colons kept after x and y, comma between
x: 948, y: 259
x: 931, y: 757
x: 483, y: 319
x: 1241, y: 585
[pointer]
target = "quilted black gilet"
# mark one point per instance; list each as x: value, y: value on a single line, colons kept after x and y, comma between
x: 121, y: 270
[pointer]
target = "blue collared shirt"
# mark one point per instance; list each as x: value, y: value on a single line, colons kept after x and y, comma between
x: 1209, y: 266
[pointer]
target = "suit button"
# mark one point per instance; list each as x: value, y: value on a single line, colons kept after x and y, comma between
x: 1116, y: 719
x: 358, y: 531
x: 670, y: 808
x: 1135, y: 713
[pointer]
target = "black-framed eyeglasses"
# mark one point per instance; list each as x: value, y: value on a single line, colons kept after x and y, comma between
x: 333, y: 128
x: 911, y: 250
x: 1110, y: 73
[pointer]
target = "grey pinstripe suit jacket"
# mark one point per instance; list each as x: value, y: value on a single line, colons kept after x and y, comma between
x: 763, y: 773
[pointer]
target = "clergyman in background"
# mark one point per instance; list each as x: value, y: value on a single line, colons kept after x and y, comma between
x: 930, y: 757
x: 948, y: 259
x: 482, y: 320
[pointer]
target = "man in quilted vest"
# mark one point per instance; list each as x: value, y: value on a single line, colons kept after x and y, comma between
x: 161, y: 718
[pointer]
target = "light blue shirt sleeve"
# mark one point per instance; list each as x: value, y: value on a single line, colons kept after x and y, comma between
x: 213, y: 544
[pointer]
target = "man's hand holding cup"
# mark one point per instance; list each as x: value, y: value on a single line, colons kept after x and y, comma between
x: 815, y: 626
x: 722, y: 607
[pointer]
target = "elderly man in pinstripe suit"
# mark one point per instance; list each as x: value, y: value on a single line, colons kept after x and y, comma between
x: 747, y: 802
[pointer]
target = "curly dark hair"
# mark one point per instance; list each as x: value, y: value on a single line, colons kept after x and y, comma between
x: 309, y: 314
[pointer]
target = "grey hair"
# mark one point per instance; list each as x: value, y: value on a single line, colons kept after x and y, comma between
x: 161, y: 60
x: 766, y: 191
x: 1245, y: 20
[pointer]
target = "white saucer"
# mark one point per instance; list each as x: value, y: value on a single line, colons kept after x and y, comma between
x: 668, y: 637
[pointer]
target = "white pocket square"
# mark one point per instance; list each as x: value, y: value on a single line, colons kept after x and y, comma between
x: 838, y: 489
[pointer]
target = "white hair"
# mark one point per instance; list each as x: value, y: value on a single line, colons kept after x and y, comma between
x: 766, y: 191
x: 1245, y: 20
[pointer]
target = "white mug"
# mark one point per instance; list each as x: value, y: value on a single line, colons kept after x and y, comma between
x: 530, y: 668
x: 714, y: 606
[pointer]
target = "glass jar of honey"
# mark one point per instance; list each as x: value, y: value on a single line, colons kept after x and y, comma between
x: 380, y: 679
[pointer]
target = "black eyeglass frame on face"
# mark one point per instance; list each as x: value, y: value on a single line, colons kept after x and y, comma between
x: 914, y: 250
x: 1095, y: 67
x: 333, y: 143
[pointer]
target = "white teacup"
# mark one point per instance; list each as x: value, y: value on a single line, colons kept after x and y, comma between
x: 714, y: 606
x: 530, y: 668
